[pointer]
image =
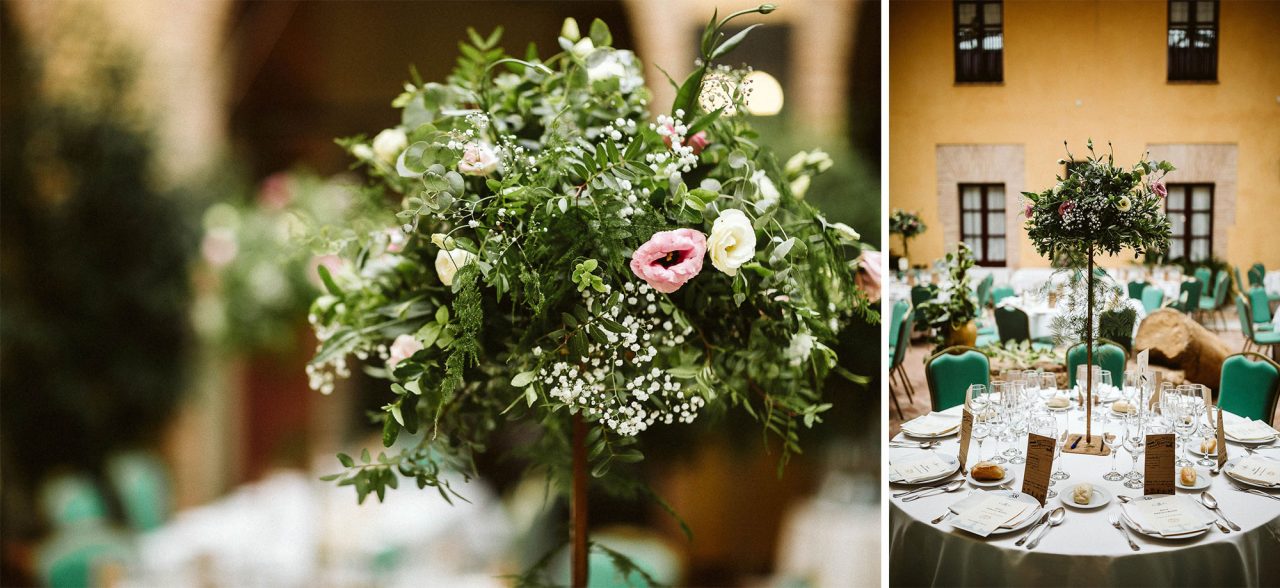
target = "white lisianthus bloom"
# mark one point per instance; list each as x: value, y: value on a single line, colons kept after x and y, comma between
x: 732, y: 241
x: 819, y: 159
x: 442, y: 240
x: 604, y: 65
x: 388, y: 144
x: 800, y: 348
x: 478, y: 159
x: 796, y: 164
x: 1124, y: 204
x: 799, y: 186
x: 569, y: 29
x: 362, y: 151
x: 768, y: 191
x: 448, y: 262
x: 401, y: 349
x: 583, y: 48
x: 845, y: 231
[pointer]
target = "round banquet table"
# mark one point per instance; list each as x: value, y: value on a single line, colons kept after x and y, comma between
x: 1085, y: 550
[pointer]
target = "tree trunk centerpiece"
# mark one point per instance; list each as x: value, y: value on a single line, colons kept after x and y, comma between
x: 1095, y: 208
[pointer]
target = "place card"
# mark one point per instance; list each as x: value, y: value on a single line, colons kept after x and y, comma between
x: 1167, y: 515
x: 1222, y: 441
x: 1158, y: 475
x: 1035, y: 477
x: 966, y: 431
x: 1257, y: 469
x: 989, y: 514
x: 922, y: 466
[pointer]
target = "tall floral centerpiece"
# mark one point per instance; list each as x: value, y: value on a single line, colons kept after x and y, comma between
x: 907, y: 224
x: 1098, y: 209
x: 563, y: 264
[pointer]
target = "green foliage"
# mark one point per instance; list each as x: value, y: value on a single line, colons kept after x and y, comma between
x: 957, y: 307
x: 906, y: 223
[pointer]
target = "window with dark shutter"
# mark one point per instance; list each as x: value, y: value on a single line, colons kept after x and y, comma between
x: 1190, y: 210
x: 1193, y: 40
x: 982, y: 222
x: 979, y: 40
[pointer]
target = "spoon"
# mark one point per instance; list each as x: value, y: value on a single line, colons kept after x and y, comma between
x: 1212, y: 503
x: 1055, y: 518
x: 1115, y: 522
x: 1024, y: 538
x: 948, y: 487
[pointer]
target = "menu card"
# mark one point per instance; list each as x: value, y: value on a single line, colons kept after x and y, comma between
x: 966, y: 431
x: 1159, y: 465
x: 920, y: 466
x: 1258, y: 470
x: 989, y: 513
x: 1035, y: 478
x: 1167, y: 515
x: 1222, y: 441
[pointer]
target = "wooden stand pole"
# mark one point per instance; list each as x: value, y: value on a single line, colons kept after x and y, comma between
x: 1088, y: 362
x: 578, y: 503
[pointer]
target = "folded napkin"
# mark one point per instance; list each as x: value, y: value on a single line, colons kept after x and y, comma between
x: 1167, y: 516
x: 978, y: 499
x: 934, y: 423
x: 1257, y: 469
x: 924, y: 465
x: 1246, y: 429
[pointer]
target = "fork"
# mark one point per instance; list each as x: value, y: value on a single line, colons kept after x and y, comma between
x: 944, y: 516
x: 1257, y: 492
x: 1115, y: 522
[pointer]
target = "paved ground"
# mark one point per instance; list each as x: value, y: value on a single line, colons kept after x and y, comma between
x: 919, y: 405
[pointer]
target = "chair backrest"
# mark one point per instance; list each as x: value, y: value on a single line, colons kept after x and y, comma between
x: 1012, y: 324
x: 984, y: 290
x: 1259, y: 305
x: 1204, y: 275
x: 1000, y: 293
x: 1107, y: 354
x: 1250, y: 386
x: 1117, y: 325
x: 1246, y: 321
x: 1256, y: 272
x: 921, y: 293
x: 1235, y: 272
x: 951, y: 371
x: 1220, y: 291
x: 1136, y: 289
x: 904, y: 338
x: 1152, y: 298
x: 1192, y: 290
x: 895, y: 323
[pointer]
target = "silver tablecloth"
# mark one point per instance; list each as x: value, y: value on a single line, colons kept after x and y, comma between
x: 1085, y: 550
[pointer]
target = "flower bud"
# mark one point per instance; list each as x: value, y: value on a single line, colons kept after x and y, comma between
x: 570, y: 30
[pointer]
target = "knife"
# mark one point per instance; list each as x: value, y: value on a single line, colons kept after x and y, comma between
x: 1044, y: 519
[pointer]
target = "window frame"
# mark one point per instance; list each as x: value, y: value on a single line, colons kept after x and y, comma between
x: 1191, y: 26
x: 985, y: 211
x: 1187, y: 210
x: 996, y: 77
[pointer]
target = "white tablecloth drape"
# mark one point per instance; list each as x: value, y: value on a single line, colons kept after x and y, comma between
x: 1271, y: 281
x: 1085, y: 550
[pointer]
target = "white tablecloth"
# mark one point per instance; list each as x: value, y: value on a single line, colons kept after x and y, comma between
x: 1271, y: 281
x: 1085, y: 550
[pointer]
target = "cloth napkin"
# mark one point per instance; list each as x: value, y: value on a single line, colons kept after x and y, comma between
x: 975, y: 500
x: 934, y: 423
x: 1258, y: 470
x: 1247, y: 429
x: 921, y: 466
x: 1192, y: 511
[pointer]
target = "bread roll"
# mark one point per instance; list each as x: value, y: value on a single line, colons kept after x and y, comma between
x: 1188, y: 476
x: 985, y: 471
x: 1209, y: 446
x: 1082, y: 494
x: 1058, y: 402
x: 1124, y: 407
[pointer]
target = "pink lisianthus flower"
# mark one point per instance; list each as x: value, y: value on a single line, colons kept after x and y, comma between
x: 274, y: 194
x: 1159, y: 188
x: 1065, y: 207
x: 868, y: 276
x: 333, y: 263
x: 669, y: 259
x: 396, y: 240
x: 401, y: 349
x: 1028, y: 209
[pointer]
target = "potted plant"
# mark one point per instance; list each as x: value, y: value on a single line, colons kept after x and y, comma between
x: 953, y: 313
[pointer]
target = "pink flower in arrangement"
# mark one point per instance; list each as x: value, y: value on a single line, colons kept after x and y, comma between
x: 868, y: 277
x: 274, y: 193
x: 401, y: 349
x: 333, y: 263
x: 698, y: 141
x: 396, y: 240
x: 1028, y: 209
x: 1159, y: 188
x: 670, y: 258
x: 1065, y: 207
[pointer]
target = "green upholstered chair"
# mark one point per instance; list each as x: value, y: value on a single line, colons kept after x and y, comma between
x: 1000, y: 293
x: 1256, y: 272
x: 1259, y: 308
x: 1239, y: 282
x: 1136, y: 289
x: 1216, y: 302
x: 1107, y: 354
x: 895, y: 324
x: 1152, y: 299
x: 1014, y: 325
x: 1250, y: 386
x: 141, y: 481
x: 900, y: 355
x: 951, y: 371
x: 985, y: 302
x: 82, y: 543
x: 1188, y: 297
x: 1204, y: 275
x: 1252, y: 338
x: 1117, y: 325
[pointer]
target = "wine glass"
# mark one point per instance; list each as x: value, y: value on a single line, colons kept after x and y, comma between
x: 1031, y: 380
x: 1185, y: 421
x: 1135, y: 441
x: 1049, y: 385
x: 1047, y: 425
x: 1103, y: 388
x: 1016, y: 420
x: 1112, y: 441
x: 997, y: 420
x: 1208, y: 430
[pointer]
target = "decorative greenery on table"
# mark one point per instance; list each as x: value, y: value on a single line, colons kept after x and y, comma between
x: 907, y: 224
x: 957, y: 307
x: 553, y: 265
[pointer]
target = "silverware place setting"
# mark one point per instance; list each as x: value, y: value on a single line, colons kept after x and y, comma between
x: 947, y: 486
x: 951, y: 486
x: 1115, y: 522
x: 1055, y: 518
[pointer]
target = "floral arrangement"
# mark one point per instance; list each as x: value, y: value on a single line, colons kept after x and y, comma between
x: 1100, y: 208
x: 957, y: 307
x: 560, y: 260
x: 258, y: 280
x: 907, y: 224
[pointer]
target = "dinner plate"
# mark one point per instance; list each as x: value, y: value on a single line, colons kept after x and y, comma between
x: 1124, y: 515
x: 1008, y: 477
x: 1029, y: 519
x: 1099, y: 499
x: 1202, y: 480
x: 1066, y: 408
x: 1196, y: 450
x: 1226, y: 469
x: 953, y: 465
x: 1262, y: 441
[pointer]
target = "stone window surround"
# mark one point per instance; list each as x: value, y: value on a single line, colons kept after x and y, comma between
x: 981, y: 164
x: 1206, y: 163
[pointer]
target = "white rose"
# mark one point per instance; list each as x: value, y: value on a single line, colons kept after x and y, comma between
x: 478, y: 159
x: 401, y: 349
x: 732, y: 241
x: 768, y: 191
x: 449, y: 262
x: 388, y: 144
x: 799, y: 186
x: 1124, y: 204
x: 845, y: 231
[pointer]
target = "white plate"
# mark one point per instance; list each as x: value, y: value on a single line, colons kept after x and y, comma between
x: 1029, y: 520
x: 1066, y: 408
x: 1250, y: 441
x: 1196, y: 450
x: 953, y: 464
x: 1120, y: 415
x: 1008, y: 477
x: 1202, y: 480
x: 1124, y: 515
x: 1099, y: 499
x: 1226, y: 469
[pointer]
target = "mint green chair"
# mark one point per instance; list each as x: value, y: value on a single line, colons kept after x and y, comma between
x: 895, y: 325
x: 1218, y: 301
x: 1188, y: 301
x: 1260, y: 308
x: 985, y: 302
x: 1253, y: 339
x: 81, y: 544
x: 141, y: 482
x: 1107, y: 354
x: 1000, y: 293
x: 1256, y: 272
x: 951, y: 371
x: 899, y: 356
x: 1204, y: 275
x: 1152, y: 299
x: 1235, y: 269
x: 1250, y: 386
x: 1136, y: 289
x: 1015, y: 326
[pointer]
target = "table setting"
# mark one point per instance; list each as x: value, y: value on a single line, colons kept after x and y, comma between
x: 956, y: 525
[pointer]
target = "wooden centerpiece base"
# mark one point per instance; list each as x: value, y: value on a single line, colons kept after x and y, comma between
x: 1096, y: 447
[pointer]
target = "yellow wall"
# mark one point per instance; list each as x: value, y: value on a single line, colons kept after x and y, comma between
x: 1075, y: 70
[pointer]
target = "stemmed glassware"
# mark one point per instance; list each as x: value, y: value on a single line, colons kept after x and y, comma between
x: 1135, y: 441
x: 1112, y: 441
x: 1058, y: 472
x: 1208, y: 430
x: 1045, y: 424
x: 1016, y: 414
x: 997, y: 420
x: 1048, y: 385
x: 1185, y: 420
x: 979, y: 400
